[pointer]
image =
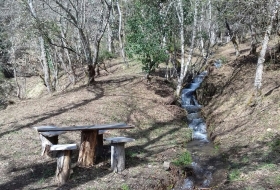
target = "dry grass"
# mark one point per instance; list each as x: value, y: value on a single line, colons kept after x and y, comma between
x: 121, y: 96
x: 247, y: 133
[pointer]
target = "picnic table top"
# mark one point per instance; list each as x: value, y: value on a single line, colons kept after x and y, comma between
x: 84, y: 128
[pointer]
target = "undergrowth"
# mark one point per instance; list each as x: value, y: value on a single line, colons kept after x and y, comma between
x: 183, y: 159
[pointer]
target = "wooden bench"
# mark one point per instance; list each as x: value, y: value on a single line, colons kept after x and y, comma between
x: 63, y: 168
x: 99, y: 146
x: 48, y: 139
x: 118, y: 152
x: 89, y: 137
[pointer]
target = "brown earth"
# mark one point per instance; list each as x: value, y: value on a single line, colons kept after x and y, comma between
x: 244, y: 129
x: 245, y: 132
x: 123, y: 95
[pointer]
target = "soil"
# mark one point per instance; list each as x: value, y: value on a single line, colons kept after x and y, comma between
x: 244, y: 129
x: 122, y: 95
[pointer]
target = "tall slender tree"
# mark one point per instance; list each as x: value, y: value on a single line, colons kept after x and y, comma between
x: 261, y: 58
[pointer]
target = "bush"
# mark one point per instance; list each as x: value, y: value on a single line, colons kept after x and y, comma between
x: 104, y: 54
x: 184, y: 159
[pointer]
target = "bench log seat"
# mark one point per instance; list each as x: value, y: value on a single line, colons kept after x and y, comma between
x: 63, y: 168
x: 118, y: 152
x: 89, y: 137
x: 48, y: 139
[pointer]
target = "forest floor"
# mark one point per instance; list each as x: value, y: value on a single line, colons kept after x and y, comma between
x: 122, y: 95
x: 245, y: 129
x: 246, y: 134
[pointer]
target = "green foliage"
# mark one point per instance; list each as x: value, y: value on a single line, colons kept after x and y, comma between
x: 104, y: 55
x: 184, y: 159
x: 224, y: 59
x: 125, y: 187
x: 203, y: 34
x: 245, y: 160
x: 234, y: 175
x: 269, y: 166
x: 131, y: 154
x: 275, y: 145
x: 2, y: 77
x: 277, y: 180
x: 144, y: 36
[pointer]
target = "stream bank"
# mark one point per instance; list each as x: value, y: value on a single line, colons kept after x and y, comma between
x: 245, y: 134
x: 208, y: 168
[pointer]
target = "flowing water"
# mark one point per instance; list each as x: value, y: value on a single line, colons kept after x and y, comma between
x: 201, y: 148
x: 189, y: 102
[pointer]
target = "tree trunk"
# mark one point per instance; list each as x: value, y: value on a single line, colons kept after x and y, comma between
x: 261, y: 59
x: 87, y: 154
x: 46, y: 68
x: 86, y: 47
x: 184, y: 67
x: 70, y: 71
x: 91, y: 73
x: 235, y: 44
x: 212, y: 34
x: 182, y: 37
x: 120, y: 32
x: 15, y: 71
x: 253, y: 50
x: 202, y: 45
x: 102, y: 27
x: 110, y: 38
x: 233, y: 39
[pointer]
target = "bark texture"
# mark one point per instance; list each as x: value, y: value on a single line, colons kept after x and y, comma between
x: 261, y: 59
x: 117, y: 157
x: 47, y: 142
x: 185, y: 67
x: 63, y: 168
x: 87, y: 154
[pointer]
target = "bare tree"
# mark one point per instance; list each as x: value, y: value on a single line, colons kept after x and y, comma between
x: 121, y: 32
x: 261, y: 58
x: 185, y: 66
x: 43, y: 50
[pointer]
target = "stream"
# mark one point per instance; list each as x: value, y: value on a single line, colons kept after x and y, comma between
x: 202, y: 150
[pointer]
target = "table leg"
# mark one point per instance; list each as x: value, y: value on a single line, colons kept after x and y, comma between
x: 99, y: 146
x: 87, y: 154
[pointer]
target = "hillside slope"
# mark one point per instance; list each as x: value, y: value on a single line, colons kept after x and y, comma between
x: 123, y: 95
x: 246, y: 133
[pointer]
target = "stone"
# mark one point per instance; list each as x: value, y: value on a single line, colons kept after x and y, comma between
x: 166, y: 165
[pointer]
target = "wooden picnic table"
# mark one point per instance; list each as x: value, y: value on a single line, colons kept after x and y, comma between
x: 89, y: 138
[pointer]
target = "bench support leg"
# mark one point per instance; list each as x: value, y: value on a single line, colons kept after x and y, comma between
x: 47, y: 142
x: 63, y: 168
x: 87, y: 153
x: 117, y: 157
x: 99, y: 146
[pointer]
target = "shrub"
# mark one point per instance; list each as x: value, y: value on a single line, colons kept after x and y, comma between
x: 184, y: 159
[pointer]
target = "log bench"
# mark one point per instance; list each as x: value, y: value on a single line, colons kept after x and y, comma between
x: 63, y: 168
x: 118, y: 152
x: 99, y: 146
x: 48, y: 139
x: 89, y: 139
